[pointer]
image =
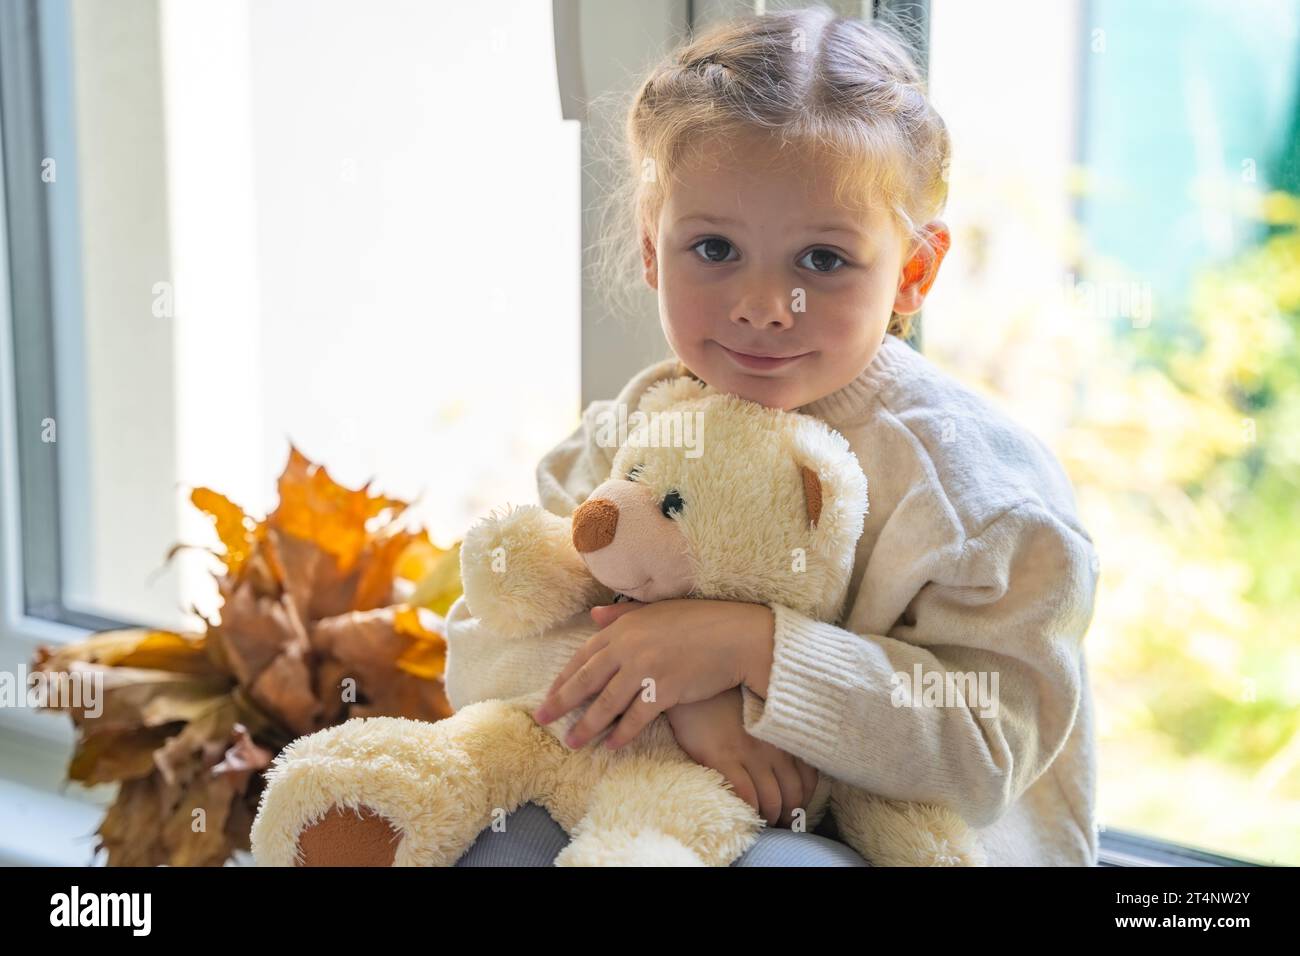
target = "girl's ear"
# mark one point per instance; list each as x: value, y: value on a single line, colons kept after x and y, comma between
x: 922, y: 267
x: 651, y: 260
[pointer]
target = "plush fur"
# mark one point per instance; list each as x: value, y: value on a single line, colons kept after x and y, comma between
x: 711, y: 496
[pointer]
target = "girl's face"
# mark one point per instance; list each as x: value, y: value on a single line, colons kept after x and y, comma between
x: 767, y: 288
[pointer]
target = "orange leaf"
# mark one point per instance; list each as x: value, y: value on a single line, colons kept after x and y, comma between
x: 375, y: 585
x: 237, y: 531
x: 133, y: 647
x: 427, y: 656
x: 315, y: 507
x: 419, y: 557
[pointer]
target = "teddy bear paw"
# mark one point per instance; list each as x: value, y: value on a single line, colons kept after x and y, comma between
x: 521, y: 573
x: 957, y: 853
x: 612, y: 848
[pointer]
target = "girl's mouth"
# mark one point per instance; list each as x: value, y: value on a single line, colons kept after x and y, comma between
x: 760, y: 362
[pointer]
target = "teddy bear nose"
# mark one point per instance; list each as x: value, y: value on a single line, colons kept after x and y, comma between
x: 594, y: 524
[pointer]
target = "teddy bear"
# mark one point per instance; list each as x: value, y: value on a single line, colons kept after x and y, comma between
x: 710, y: 496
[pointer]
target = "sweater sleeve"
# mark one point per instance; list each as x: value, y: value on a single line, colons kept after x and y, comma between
x: 970, y: 696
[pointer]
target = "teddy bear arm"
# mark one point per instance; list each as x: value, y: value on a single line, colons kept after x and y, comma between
x: 522, y: 575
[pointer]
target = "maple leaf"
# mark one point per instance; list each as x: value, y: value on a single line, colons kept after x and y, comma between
x: 238, y: 533
x: 370, y: 645
x: 315, y: 507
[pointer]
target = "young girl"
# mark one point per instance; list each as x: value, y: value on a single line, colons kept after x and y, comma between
x: 788, y: 225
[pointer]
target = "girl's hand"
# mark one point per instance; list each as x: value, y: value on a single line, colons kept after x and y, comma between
x: 653, y: 656
x: 770, y: 780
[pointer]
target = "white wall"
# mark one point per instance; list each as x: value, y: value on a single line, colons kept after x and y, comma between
x: 368, y: 215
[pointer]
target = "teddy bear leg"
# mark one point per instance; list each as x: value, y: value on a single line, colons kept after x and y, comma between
x: 351, y: 788
x: 897, y: 833
x: 645, y: 812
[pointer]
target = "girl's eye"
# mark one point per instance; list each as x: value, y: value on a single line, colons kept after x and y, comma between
x: 823, y: 260
x: 672, y: 505
x: 715, y: 249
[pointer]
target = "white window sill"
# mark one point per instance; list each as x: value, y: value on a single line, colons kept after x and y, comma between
x: 44, y: 821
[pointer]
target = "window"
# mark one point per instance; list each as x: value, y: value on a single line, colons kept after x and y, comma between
x: 1122, y: 279
x: 267, y: 223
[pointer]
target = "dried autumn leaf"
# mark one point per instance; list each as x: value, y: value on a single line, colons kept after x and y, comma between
x: 313, y: 578
x: 243, y: 758
x: 364, y: 642
x: 238, y: 533
x: 255, y: 629
x: 118, y: 754
x: 133, y: 647
x: 377, y: 565
x: 286, y: 689
x: 368, y: 644
x: 330, y: 675
x: 239, y: 824
x: 129, y: 830
x: 405, y: 695
x: 128, y: 697
x: 314, y: 507
x: 426, y: 657
x: 215, y: 724
x: 298, y: 561
x: 255, y: 719
x: 181, y: 815
x: 194, y: 814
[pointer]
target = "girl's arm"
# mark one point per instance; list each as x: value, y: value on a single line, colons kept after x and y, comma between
x: 770, y: 780
x: 1009, y: 625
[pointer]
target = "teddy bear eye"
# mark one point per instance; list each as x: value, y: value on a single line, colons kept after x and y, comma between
x: 633, y: 473
x: 672, y: 505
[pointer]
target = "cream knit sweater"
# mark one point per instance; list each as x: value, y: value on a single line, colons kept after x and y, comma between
x: 972, y: 561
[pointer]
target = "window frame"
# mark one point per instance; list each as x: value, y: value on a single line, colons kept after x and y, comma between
x: 33, y: 271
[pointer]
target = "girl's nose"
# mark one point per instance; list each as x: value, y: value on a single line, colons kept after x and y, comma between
x: 771, y: 312
x: 768, y: 316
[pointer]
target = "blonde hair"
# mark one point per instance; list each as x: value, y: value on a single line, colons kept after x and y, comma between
x: 841, y: 85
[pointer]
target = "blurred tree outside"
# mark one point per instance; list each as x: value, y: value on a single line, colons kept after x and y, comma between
x: 1181, y: 435
x: 1127, y: 285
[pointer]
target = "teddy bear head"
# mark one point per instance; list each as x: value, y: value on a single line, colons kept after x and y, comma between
x: 714, y: 496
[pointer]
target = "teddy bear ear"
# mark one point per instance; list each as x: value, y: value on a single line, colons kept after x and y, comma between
x: 834, y: 487
x: 812, y: 494
x: 671, y: 391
